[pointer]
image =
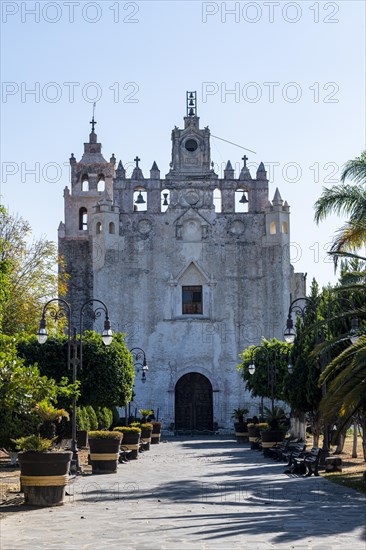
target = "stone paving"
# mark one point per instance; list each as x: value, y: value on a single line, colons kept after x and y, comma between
x: 197, y: 493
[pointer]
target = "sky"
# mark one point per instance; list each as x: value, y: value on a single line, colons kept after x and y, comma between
x: 286, y: 80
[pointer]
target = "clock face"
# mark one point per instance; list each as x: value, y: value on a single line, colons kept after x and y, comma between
x: 191, y: 145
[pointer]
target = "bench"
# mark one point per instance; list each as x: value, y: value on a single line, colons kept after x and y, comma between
x: 277, y: 451
x: 124, y: 453
x: 310, y: 460
x: 293, y: 451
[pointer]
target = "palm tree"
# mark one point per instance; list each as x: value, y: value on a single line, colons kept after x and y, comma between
x: 348, y: 200
x: 346, y: 390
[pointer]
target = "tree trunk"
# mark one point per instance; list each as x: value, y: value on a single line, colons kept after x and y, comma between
x: 355, y: 433
x: 341, y: 440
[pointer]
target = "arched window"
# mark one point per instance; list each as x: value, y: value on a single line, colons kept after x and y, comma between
x: 83, y: 219
x: 99, y: 228
x: 85, y: 182
x: 241, y: 200
x: 284, y: 227
x: 139, y: 199
x: 217, y: 200
x: 101, y: 183
x: 272, y: 228
x: 165, y: 200
x: 111, y: 228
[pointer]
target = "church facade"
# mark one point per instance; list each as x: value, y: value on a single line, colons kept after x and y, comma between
x: 194, y: 268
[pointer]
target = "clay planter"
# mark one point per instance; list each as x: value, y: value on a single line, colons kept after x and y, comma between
x: 254, y: 437
x: 146, y: 434
x: 104, y: 455
x: 156, y: 432
x: 241, y: 432
x: 132, y: 442
x: 270, y: 438
x: 44, y: 476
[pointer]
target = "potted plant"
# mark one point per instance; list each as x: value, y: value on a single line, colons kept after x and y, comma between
x: 241, y: 428
x: 146, y: 432
x: 43, y: 473
x: 254, y: 430
x: 146, y: 413
x: 131, y: 439
x: 104, y: 451
x: 156, y: 432
x: 273, y: 433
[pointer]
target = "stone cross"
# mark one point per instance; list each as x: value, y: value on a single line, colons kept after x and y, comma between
x: 245, y: 158
x: 137, y: 160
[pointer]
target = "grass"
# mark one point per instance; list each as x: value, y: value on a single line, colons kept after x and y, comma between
x: 353, y: 468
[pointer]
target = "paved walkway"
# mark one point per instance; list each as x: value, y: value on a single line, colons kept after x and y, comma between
x: 194, y: 494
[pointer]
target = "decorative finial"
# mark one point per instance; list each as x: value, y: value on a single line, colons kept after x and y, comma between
x: 245, y: 158
x: 92, y: 122
x: 137, y: 160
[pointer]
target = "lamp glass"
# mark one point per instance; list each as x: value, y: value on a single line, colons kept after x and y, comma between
x: 107, y: 337
x: 42, y: 335
x: 251, y: 368
x: 290, y: 368
x: 289, y: 336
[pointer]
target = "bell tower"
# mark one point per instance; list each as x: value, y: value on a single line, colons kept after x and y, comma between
x: 191, y: 156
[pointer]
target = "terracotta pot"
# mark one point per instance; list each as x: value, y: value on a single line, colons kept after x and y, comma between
x: 270, y: 438
x: 104, y: 455
x: 44, y: 476
x: 82, y: 438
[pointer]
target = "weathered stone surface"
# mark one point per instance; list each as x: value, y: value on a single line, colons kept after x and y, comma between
x: 139, y: 260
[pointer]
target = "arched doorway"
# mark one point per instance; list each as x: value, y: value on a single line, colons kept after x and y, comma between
x: 193, y: 403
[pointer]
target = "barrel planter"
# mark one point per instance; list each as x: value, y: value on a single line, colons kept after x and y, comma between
x: 82, y: 439
x: 44, y: 476
x: 104, y: 452
x: 270, y: 438
x: 156, y: 432
x: 241, y: 432
x: 254, y: 437
x: 146, y: 433
x: 131, y: 440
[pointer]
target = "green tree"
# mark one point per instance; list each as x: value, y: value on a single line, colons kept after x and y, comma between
x: 348, y: 200
x: 28, y: 275
x: 271, y: 361
x: 107, y: 376
x: 21, y: 387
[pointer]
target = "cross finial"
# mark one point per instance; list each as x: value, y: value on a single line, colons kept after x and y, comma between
x: 137, y: 160
x: 92, y: 122
x: 245, y: 158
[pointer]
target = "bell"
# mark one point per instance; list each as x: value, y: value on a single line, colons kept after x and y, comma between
x: 191, y: 103
x: 165, y: 203
x: 140, y: 199
x: 191, y: 112
x: 191, y: 96
x: 243, y: 200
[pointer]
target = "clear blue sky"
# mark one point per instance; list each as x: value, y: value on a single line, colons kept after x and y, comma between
x: 303, y: 61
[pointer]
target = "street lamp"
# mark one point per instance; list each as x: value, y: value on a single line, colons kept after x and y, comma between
x: 300, y: 311
x: 137, y: 355
x: 64, y: 311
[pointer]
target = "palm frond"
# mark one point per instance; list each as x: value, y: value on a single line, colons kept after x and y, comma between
x: 355, y: 169
x: 341, y: 200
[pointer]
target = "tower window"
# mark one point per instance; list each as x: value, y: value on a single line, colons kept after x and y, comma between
x: 284, y: 227
x: 191, y: 145
x: 83, y: 219
x: 192, y: 300
x: 272, y: 228
x: 99, y: 228
x: 101, y: 183
x: 217, y: 200
x: 111, y: 228
x: 85, y: 183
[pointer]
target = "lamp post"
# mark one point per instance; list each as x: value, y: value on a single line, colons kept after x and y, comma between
x: 64, y: 311
x: 138, y: 354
